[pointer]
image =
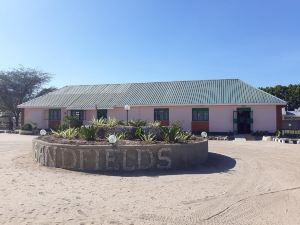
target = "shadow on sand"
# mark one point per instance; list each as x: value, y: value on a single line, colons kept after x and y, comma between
x: 216, y: 163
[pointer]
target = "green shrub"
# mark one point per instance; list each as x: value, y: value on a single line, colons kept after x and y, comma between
x: 137, y: 123
x: 170, y: 133
x: 88, y: 133
x: 174, y: 134
x: 70, y: 133
x: 157, y: 131
x: 121, y: 123
x: 104, y: 131
x: 111, y: 122
x: 70, y: 122
x: 121, y: 136
x: 139, y: 132
x: 154, y: 124
x: 27, y: 126
x: 99, y: 122
x: 183, y: 136
x: 148, y: 138
x: 278, y: 133
x: 62, y: 127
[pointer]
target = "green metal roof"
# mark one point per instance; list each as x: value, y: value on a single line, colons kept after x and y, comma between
x: 198, y: 92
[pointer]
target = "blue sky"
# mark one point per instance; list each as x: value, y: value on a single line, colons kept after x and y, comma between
x: 95, y: 41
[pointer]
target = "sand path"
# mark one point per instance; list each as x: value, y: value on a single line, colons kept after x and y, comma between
x: 242, y: 183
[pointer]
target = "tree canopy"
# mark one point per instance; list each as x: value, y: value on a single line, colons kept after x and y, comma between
x: 20, y: 85
x: 290, y: 93
x: 45, y: 91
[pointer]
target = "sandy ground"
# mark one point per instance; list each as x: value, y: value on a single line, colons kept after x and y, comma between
x: 242, y: 183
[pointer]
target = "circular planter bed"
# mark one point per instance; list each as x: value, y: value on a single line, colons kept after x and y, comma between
x: 120, y: 157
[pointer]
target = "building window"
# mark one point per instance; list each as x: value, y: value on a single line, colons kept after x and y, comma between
x: 78, y: 113
x: 102, y: 113
x: 200, y: 114
x: 54, y: 114
x: 161, y: 114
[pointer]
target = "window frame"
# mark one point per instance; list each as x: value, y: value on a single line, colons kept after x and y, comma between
x: 51, y: 114
x: 164, y: 110
x: 80, y: 116
x: 201, y: 118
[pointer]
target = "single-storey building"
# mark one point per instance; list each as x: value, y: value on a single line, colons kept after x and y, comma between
x: 228, y: 105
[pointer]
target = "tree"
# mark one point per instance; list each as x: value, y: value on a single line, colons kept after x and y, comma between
x: 20, y: 85
x: 45, y: 91
x: 290, y: 93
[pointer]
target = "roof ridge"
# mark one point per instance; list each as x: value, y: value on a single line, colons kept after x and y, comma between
x: 149, y: 82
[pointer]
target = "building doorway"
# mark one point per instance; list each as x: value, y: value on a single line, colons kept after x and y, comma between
x: 54, y: 118
x: 243, y: 120
x: 102, y: 113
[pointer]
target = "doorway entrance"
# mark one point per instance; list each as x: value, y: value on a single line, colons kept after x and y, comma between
x: 54, y: 118
x: 243, y: 120
x: 102, y: 113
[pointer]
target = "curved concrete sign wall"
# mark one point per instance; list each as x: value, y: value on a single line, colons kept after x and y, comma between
x: 120, y: 158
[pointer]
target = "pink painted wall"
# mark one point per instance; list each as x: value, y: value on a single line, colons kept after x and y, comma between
x: 89, y: 116
x: 220, y: 117
x: 39, y: 116
x: 36, y: 116
x: 176, y: 113
x: 264, y: 118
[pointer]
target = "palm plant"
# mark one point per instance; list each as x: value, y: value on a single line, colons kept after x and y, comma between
x: 137, y: 123
x: 88, y: 133
x: 99, y: 122
x: 70, y: 133
x: 148, y: 138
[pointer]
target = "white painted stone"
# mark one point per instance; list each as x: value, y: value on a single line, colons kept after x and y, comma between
x: 240, y: 139
x: 267, y: 138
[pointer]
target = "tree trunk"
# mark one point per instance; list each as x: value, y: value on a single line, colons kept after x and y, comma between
x: 17, y: 118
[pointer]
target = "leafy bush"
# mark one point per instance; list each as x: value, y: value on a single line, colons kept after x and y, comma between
x: 137, y: 123
x: 154, y: 124
x: 174, y: 134
x: 27, y: 126
x: 148, y: 138
x: 71, y: 122
x: 278, y: 133
x: 121, y: 136
x: 157, y: 131
x: 88, y: 133
x: 111, y: 122
x: 70, y: 133
x: 62, y: 127
x: 121, y: 122
x: 183, y: 136
x: 138, y: 133
x: 104, y: 131
x: 170, y: 133
x: 99, y: 122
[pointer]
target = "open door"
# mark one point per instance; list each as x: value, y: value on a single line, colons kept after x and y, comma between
x: 243, y: 121
x: 102, y: 113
